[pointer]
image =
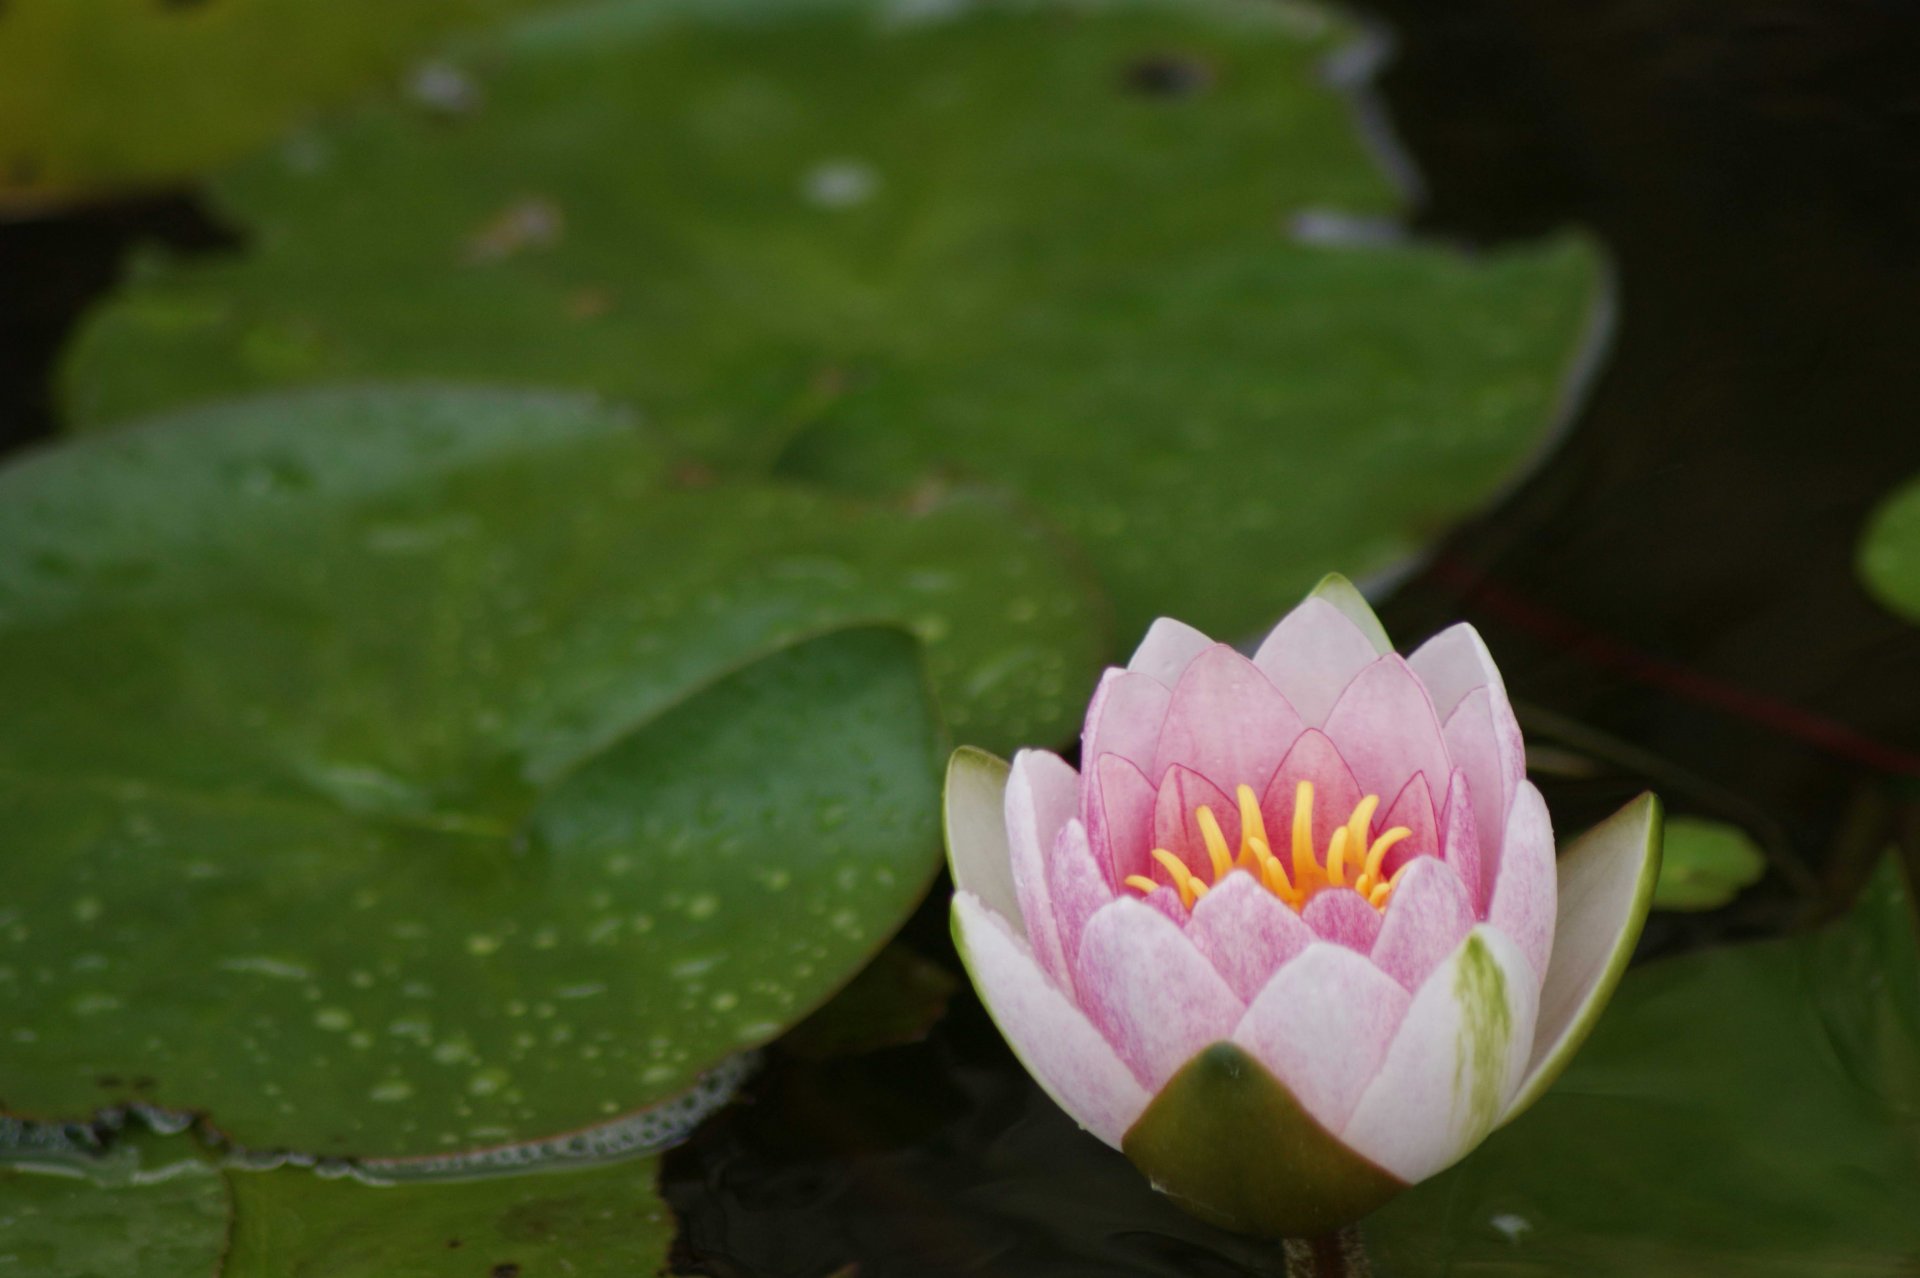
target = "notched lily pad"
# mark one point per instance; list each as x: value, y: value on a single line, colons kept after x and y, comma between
x: 880, y: 244
x: 1229, y: 1141
x: 396, y: 773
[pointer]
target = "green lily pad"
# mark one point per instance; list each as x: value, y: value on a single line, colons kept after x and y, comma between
x: 1706, y: 865
x: 100, y: 95
x: 1714, y: 1125
x: 397, y: 773
x: 1046, y: 245
x: 602, y: 1222
x: 152, y: 1208
x: 1890, y: 552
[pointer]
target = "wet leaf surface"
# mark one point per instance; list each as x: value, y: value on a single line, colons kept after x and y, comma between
x: 895, y: 1000
x: 102, y: 95
x: 1047, y: 246
x: 395, y: 773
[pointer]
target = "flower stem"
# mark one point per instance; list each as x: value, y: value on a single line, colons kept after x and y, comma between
x: 1336, y: 1255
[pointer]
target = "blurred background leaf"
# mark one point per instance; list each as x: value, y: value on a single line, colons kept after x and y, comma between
x: 1099, y: 253
x: 101, y: 96
x: 1890, y: 552
x: 1704, y: 864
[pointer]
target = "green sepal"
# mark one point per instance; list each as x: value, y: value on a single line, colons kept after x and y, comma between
x: 1229, y: 1142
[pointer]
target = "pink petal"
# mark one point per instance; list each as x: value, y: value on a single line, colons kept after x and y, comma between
x: 1125, y: 718
x: 1042, y: 792
x: 1227, y: 722
x: 1343, y: 916
x: 1413, y: 808
x: 1335, y: 794
x: 1167, y: 902
x: 1056, y: 1042
x: 1460, y: 842
x: 1427, y: 917
x: 1454, y: 663
x: 1483, y: 739
x: 1386, y: 730
x: 1078, y: 885
x: 1524, y: 888
x: 1457, y: 1059
x: 1150, y: 992
x: 1118, y: 811
x: 1246, y: 932
x: 1312, y: 655
x: 1166, y: 651
x: 1176, y: 828
x: 1322, y: 1025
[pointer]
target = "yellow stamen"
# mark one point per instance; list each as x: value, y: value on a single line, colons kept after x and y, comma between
x: 1216, y: 842
x: 1182, y: 877
x: 1337, y: 857
x: 1378, y: 852
x: 1309, y: 872
x: 1304, y: 865
x: 1360, y: 823
x: 1253, y: 829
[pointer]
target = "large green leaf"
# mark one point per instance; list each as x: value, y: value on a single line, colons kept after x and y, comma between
x: 97, y: 95
x: 393, y: 773
x: 1741, y: 1112
x: 601, y: 1222
x: 151, y: 1208
x: 1043, y: 244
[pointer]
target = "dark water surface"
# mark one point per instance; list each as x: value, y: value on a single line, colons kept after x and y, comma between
x: 1671, y: 594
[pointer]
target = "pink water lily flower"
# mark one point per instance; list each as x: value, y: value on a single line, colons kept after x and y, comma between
x: 1295, y: 936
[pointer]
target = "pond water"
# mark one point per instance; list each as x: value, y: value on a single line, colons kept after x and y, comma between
x: 1672, y: 592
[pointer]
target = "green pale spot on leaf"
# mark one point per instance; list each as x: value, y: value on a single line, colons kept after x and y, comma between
x: 880, y: 253
x: 1705, y: 864
x: 1486, y: 1032
x: 1890, y: 552
x: 1747, y: 1075
x: 100, y: 95
x: 602, y: 1222
x: 394, y: 773
x: 1231, y: 1144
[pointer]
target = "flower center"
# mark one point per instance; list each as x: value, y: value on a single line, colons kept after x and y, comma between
x: 1347, y: 851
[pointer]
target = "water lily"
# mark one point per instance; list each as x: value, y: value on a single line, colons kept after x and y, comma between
x: 1295, y: 936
